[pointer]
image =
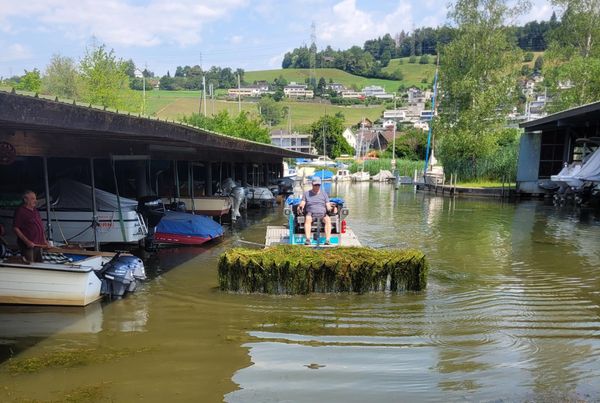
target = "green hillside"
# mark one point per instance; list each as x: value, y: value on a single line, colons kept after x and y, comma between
x: 175, y: 104
x: 338, y: 76
x: 414, y: 73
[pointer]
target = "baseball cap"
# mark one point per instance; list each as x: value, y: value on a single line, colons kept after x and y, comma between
x: 316, y: 181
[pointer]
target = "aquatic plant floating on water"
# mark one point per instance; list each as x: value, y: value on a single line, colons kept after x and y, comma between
x: 292, y: 269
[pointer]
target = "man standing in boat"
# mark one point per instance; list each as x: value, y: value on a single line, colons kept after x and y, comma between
x: 316, y: 205
x: 29, y: 229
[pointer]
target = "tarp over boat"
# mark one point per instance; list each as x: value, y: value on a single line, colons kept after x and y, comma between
x: 68, y: 194
x: 175, y: 222
x: 323, y: 174
x: 590, y: 171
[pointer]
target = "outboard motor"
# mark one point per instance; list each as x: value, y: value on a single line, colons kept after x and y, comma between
x: 120, y: 275
x: 238, y: 194
x: 151, y: 208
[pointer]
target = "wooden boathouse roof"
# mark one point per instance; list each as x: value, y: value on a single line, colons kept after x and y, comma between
x: 585, y: 116
x: 36, y: 126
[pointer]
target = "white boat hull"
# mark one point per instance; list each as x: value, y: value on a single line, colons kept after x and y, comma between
x: 214, y: 206
x: 76, y: 226
x: 48, y: 284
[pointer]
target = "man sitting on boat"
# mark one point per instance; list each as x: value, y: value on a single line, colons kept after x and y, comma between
x: 29, y: 229
x: 315, y: 204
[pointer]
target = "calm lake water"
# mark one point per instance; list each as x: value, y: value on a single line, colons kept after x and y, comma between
x: 511, y: 313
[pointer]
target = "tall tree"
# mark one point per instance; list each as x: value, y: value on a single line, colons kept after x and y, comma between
x: 31, y: 81
x: 330, y: 128
x: 61, y: 77
x: 105, y: 81
x: 270, y: 111
x: 478, y: 73
x: 572, y: 64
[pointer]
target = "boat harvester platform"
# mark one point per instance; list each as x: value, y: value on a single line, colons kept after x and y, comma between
x: 280, y: 235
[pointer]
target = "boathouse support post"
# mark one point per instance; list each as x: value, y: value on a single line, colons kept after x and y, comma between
x: 141, y: 181
x: 176, y: 179
x: 208, y: 179
x: 191, y: 184
x: 232, y: 165
x: 266, y: 174
x: 48, y: 198
x: 94, y: 205
x: 244, y: 174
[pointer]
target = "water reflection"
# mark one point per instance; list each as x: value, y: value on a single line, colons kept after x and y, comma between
x: 511, y: 313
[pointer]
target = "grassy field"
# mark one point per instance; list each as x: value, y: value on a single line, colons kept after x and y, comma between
x: 175, y: 104
x: 338, y: 76
x: 413, y: 73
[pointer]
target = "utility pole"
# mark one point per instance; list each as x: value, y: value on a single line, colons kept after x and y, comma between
x: 204, y: 93
x: 200, y: 105
x: 239, y: 95
x: 212, y: 97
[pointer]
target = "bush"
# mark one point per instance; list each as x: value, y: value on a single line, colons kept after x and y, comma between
x: 528, y: 57
x: 412, y: 59
x: 424, y: 59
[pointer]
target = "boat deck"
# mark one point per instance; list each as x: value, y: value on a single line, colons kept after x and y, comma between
x: 279, y: 234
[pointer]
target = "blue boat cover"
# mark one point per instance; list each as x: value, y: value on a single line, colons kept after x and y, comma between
x: 323, y: 174
x: 175, y: 222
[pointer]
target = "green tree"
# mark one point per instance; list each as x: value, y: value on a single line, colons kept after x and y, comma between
x: 539, y: 64
x: 478, y: 72
x: 31, y: 81
x: 411, y: 145
x: 61, y: 77
x: 105, y: 82
x: 241, y: 126
x: 270, y: 111
x: 572, y: 64
x: 330, y: 128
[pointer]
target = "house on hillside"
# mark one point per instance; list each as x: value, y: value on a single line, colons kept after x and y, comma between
x: 337, y: 87
x: 378, y: 138
x: 294, y: 141
x: 294, y: 90
x: 350, y: 137
x: 244, y: 92
x: 365, y: 123
x: 397, y: 115
x: 349, y: 94
x: 376, y: 91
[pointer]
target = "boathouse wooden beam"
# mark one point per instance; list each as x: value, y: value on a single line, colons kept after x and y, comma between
x: 96, y: 133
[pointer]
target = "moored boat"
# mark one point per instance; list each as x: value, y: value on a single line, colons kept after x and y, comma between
x: 186, y: 229
x: 342, y: 175
x: 68, y: 278
x: 72, y: 219
x: 360, y: 176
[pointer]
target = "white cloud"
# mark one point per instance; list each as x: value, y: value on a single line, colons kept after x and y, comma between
x: 236, y: 39
x: 348, y: 25
x: 14, y: 52
x: 120, y: 22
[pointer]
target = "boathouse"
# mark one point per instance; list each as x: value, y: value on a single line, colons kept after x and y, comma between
x: 37, y: 127
x: 549, y: 142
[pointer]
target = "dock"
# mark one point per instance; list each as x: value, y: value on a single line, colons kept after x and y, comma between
x: 280, y: 235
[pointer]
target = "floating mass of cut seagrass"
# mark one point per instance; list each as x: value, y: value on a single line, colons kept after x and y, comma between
x: 289, y: 269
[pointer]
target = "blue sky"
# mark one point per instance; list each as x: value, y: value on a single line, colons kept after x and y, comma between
x: 162, y: 34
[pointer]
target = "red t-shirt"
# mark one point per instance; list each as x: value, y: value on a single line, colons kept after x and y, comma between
x: 30, y: 224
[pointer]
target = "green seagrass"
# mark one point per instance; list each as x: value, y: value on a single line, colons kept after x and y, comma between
x: 291, y: 269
